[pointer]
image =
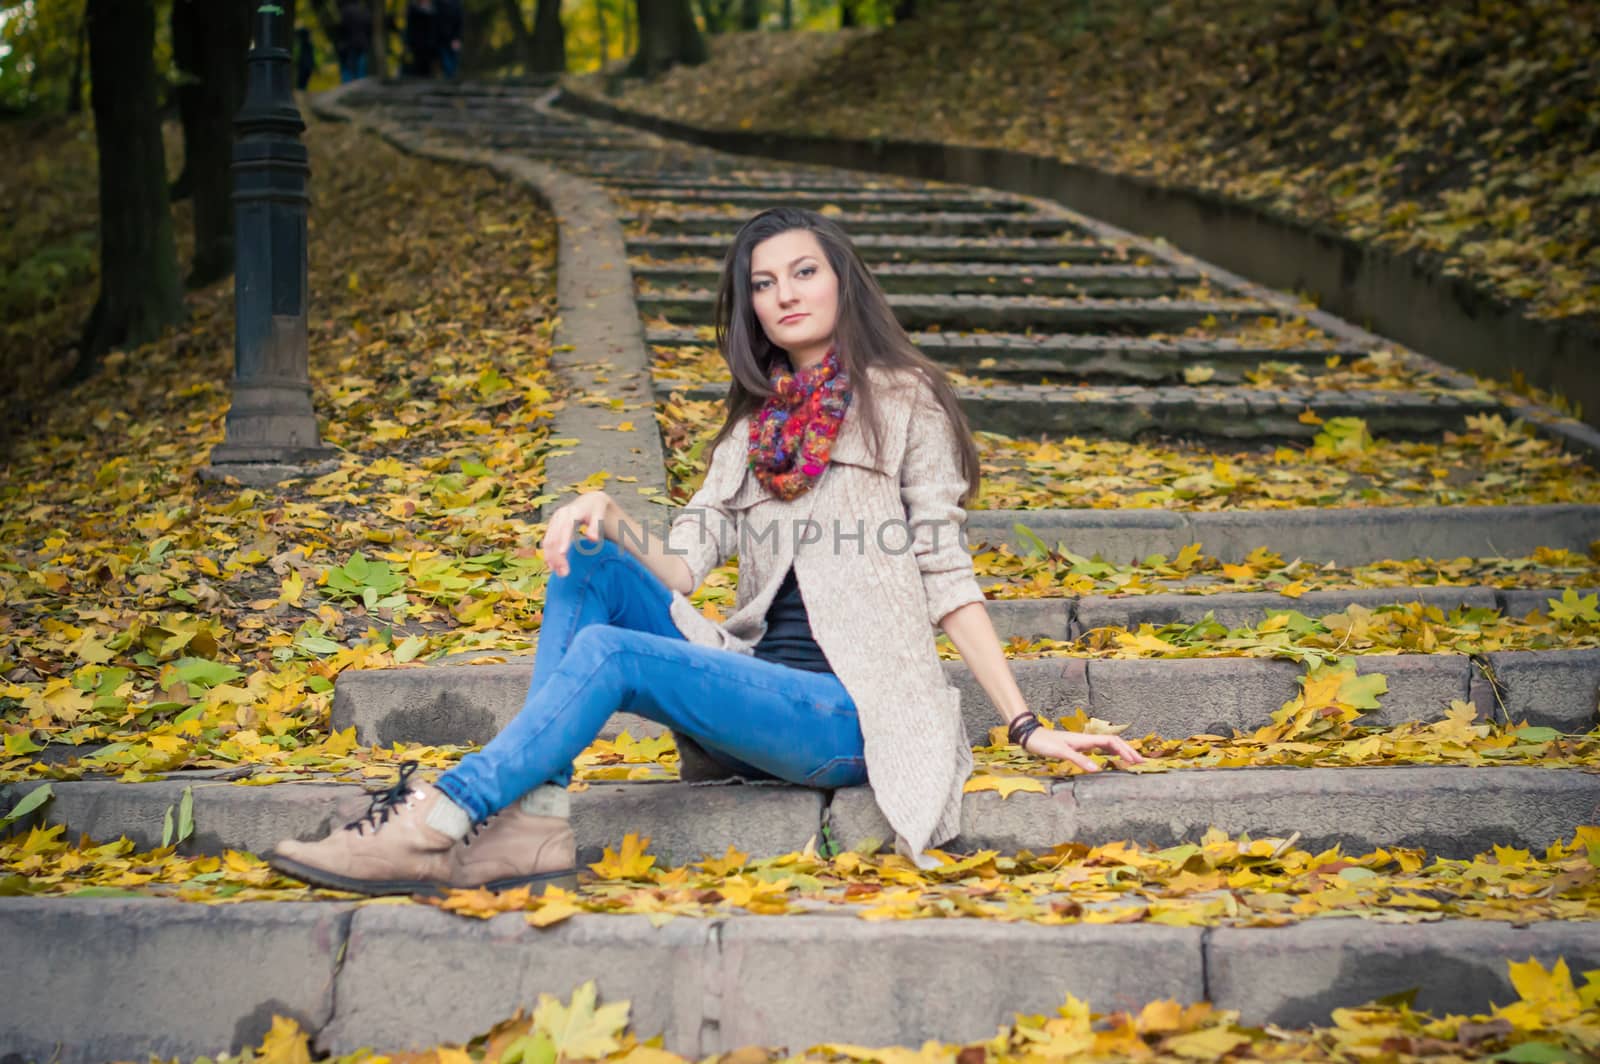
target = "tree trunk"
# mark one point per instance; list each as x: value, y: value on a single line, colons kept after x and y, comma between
x: 630, y: 28
x: 139, y: 291
x: 667, y: 37
x: 715, y: 14
x: 217, y: 42
x: 512, y: 9
x: 549, y: 40
x: 749, y: 14
x: 600, y: 28
x: 788, y: 14
x: 905, y: 10
x: 75, y: 82
x: 186, y: 89
x: 378, y: 51
x: 847, y: 14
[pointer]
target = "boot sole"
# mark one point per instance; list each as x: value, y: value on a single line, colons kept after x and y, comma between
x: 319, y: 877
x: 565, y: 878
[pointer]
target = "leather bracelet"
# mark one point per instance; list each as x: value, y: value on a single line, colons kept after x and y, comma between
x: 1021, y: 727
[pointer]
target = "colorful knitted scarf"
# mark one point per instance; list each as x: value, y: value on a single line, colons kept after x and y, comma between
x: 791, y: 437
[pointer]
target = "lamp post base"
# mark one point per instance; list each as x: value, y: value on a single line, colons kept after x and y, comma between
x: 269, y: 473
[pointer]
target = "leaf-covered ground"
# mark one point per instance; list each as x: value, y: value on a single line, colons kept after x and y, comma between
x: 1465, y: 132
x: 1552, y: 1021
x: 144, y: 606
x: 47, y: 254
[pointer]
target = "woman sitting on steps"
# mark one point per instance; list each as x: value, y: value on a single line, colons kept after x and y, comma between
x: 838, y: 477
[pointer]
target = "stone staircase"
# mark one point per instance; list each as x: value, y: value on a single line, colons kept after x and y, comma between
x: 1057, y: 325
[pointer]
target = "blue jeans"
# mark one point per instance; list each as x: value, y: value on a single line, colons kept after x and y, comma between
x: 352, y: 66
x: 608, y: 643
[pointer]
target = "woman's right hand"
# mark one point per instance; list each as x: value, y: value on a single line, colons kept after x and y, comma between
x: 588, y: 512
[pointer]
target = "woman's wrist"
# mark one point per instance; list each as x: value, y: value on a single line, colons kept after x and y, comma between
x: 1021, y: 727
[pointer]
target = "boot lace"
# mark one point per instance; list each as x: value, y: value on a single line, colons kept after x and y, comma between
x: 381, y: 804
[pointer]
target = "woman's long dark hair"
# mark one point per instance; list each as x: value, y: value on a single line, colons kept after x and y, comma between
x: 865, y: 329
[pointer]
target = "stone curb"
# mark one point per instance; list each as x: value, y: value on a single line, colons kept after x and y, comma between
x: 1449, y: 811
x: 599, y: 342
x: 135, y: 977
x: 1350, y: 536
x: 1405, y: 295
x: 1174, y: 697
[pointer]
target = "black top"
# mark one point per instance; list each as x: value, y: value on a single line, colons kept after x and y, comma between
x: 788, y: 640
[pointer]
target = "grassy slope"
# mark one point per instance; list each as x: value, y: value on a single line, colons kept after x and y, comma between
x: 1470, y: 131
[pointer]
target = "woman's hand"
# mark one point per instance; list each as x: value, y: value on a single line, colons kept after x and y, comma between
x: 1070, y: 746
x: 588, y: 512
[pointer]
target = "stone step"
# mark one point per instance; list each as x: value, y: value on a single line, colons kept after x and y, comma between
x: 1071, y: 357
x: 684, y: 821
x: 133, y: 978
x: 861, y: 223
x: 757, y: 197
x: 441, y: 704
x: 1210, y: 412
x: 927, y: 279
x: 877, y: 250
x: 1005, y: 313
x: 1043, y: 618
x: 815, y: 182
x: 1450, y: 811
x: 546, y: 143
x: 1349, y: 536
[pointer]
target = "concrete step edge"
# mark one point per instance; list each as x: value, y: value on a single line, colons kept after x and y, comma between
x: 1450, y: 811
x: 132, y: 978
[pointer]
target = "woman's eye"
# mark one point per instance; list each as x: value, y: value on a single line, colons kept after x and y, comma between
x: 806, y: 271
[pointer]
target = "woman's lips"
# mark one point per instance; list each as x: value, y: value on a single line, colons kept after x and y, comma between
x: 792, y: 317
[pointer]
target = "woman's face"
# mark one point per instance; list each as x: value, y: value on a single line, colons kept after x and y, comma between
x: 795, y: 293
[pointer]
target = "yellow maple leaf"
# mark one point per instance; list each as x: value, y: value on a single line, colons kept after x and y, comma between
x: 580, y: 1031
x: 1208, y: 1043
x: 484, y: 903
x: 630, y: 863
x: 294, y: 585
x: 1548, y: 996
x: 284, y: 1044
x: 1006, y: 785
x: 727, y: 864
x: 555, y: 905
x: 649, y: 1055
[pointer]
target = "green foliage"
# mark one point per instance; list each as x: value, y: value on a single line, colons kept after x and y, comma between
x: 39, y: 43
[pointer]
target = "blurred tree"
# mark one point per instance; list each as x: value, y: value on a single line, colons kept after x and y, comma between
x: 210, y: 40
x: 543, y: 48
x: 668, y: 37
x: 80, y: 55
x: 717, y: 15
x: 139, y: 290
x: 749, y: 14
x: 549, y: 39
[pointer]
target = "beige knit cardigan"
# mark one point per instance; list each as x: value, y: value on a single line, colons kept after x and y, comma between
x: 878, y: 549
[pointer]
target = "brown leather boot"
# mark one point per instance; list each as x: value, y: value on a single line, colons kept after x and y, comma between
x: 390, y: 849
x: 515, y: 849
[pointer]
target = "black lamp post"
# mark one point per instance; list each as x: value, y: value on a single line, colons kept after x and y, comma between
x: 271, y: 432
